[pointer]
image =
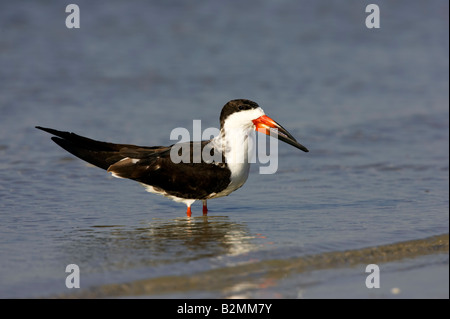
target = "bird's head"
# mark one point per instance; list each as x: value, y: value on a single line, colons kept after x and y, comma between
x: 246, y: 114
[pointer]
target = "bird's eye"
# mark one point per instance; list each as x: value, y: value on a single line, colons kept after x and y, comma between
x: 242, y: 107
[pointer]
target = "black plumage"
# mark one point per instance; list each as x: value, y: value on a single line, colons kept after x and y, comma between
x: 151, y: 166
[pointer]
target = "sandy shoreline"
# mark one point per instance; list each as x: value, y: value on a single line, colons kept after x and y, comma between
x: 265, y: 274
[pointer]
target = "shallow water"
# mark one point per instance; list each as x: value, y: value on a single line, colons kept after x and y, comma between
x: 303, y: 276
x: 371, y: 105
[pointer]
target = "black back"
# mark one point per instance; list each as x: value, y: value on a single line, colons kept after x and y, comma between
x: 154, y: 166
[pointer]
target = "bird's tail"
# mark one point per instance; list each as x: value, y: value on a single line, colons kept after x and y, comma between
x: 101, y: 154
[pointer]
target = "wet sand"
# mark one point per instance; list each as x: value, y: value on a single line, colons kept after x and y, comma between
x: 259, y: 275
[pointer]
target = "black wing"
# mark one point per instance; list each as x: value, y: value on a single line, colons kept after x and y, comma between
x: 100, y: 154
x: 150, y: 165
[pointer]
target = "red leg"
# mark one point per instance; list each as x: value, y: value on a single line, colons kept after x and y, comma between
x: 189, y: 213
x: 205, y: 208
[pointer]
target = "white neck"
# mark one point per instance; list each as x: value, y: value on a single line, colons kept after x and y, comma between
x: 236, y: 141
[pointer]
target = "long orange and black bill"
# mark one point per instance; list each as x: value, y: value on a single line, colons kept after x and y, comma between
x: 266, y: 125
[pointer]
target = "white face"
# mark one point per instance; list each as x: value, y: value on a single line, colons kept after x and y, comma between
x: 243, y: 119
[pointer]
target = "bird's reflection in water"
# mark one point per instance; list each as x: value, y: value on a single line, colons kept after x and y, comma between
x: 196, y: 237
x: 158, y: 242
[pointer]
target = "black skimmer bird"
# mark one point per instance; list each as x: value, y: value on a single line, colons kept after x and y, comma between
x: 188, y: 180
